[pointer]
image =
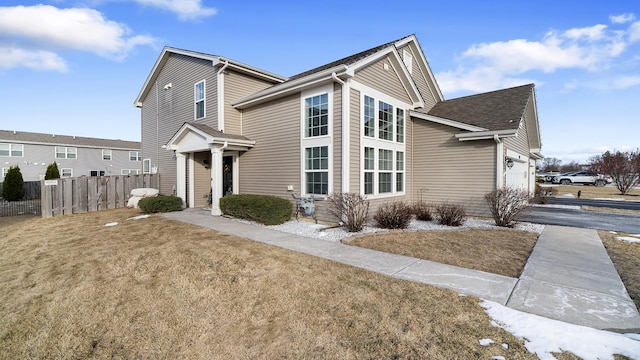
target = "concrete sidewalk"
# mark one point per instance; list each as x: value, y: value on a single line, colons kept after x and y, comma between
x: 605, y: 305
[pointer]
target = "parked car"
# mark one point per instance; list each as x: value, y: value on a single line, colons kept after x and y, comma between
x: 581, y: 177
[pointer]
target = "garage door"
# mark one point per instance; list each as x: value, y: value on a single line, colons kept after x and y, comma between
x: 516, y: 177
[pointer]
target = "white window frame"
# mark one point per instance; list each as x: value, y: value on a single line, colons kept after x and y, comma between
x: 10, y: 149
x: 197, y: 100
x: 137, y: 156
x: 316, y: 141
x: 381, y: 144
x: 5, y: 170
x: 66, y: 152
x: 69, y: 172
x: 146, y: 163
x: 107, y: 154
x: 130, y: 172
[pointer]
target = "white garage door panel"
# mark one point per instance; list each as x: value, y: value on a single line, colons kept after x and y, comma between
x: 516, y: 177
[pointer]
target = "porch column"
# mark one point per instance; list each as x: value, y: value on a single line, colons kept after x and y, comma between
x: 216, y: 179
x: 181, y: 167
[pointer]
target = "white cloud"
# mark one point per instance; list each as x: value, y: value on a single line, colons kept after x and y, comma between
x: 33, y: 59
x: 80, y: 29
x: 622, y: 18
x: 186, y: 9
x: 483, y: 66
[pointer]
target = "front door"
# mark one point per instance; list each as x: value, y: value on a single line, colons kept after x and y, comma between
x: 227, y: 175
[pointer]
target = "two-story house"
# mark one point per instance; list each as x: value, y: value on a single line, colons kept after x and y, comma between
x: 373, y: 123
x: 74, y: 155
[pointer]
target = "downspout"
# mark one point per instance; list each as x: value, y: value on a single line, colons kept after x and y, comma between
x: 157, y: 129
x: 220, y: 85
x: 345, y: 133
x: 499, y: 160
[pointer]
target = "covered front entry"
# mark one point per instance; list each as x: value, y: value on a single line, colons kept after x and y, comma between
x: 207, y: 164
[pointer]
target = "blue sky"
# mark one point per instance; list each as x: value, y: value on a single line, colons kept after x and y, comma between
x: 75, y: 67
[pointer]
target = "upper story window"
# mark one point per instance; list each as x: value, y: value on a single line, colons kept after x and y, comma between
x: 316, y: 110
x: 400, y: 125
x: 135, y: 156
x: 13, y: 150
x: 106, y: 154
x: 199, y: 95
x: 369, y: 116
x: 66, y: 152
x: 385, y: 121
x: 389, y: 124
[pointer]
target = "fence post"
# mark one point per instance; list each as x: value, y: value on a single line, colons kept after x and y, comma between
x: 66, y: 185
x: 45, y: 200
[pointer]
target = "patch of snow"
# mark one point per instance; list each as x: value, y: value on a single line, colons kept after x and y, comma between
x: 567, y: 196
x: 498, y: 357
x: 486, y: 342
x: 635, y: 235
x: 337, y: 234
x: 628, y: 238
x: 610, y: 199
x: 613, y: 232
x: 111, y: 224
x: 558, y: 206
x: 506, y: 346
x: 544, y: 336
x: 139, y: 217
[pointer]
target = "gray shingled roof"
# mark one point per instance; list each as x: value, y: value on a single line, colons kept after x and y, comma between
x: 78, y: 141
x: 216, y: 133
x: 347, y: 60
x: 495, y: 110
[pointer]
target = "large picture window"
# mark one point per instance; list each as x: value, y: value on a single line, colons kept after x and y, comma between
x: 12, y: 150
x: 316, y: 109
x: 65, y: 152
x: 199, y: 95
x: 317, y: 170
x: 383, y: 142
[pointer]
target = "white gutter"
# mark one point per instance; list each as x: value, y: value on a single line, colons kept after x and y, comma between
x: 220, y: 95
x: 443, y: 121
x: 345, y: 132
x: 486, y: 135
x: 289, y: 87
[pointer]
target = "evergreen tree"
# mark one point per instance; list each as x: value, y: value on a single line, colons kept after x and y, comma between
x: 52, y: 172
x: 13, y: 185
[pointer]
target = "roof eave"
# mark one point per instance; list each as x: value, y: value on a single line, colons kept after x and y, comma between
x: 448, y: 122
x: 486, y: 135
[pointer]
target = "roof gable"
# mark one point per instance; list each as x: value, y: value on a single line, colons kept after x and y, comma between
x: 495, y: 110
x: 215, y: 61
x: 195, y: 136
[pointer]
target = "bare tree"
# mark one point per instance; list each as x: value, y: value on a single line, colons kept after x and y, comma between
x: 550, y: 164
x: 623, y: 167
x: 572, y: 166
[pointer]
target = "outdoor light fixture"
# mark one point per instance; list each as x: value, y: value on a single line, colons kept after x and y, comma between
x: 509, y: 163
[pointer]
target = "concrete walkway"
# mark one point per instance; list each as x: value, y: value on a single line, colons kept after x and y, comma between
x: 569, y: 276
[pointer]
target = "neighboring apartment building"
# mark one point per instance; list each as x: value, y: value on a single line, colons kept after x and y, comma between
x: 373, y: 123
x: 75, y: 155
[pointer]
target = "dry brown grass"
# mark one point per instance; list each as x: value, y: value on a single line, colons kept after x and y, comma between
x: 626, y: 258
x: 498, y: 251
x: 594, y: 192
x: 159, y: 289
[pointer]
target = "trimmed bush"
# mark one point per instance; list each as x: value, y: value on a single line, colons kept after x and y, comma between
x: 351, y: 210
x: 158, y: 204
x: 422, y: 211
x: 505, y: 205
x: 52, y: 172
x: 265, y: 209
x: 395, y: 215
x: 450, y: 214
x: 13, y: 185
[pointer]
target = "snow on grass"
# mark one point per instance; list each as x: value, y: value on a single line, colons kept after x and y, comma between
x: 544, y: 336
x: 337, y: 234
x: 628, y: 238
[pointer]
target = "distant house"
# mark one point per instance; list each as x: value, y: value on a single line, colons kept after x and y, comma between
x: 373, y: 123
x: 75, y: 155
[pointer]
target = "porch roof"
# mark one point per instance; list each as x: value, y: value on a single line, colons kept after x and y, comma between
x: 195, y: 137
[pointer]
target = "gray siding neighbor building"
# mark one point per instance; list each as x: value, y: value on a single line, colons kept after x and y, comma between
x: 373, y: 123
x: 74, y: 155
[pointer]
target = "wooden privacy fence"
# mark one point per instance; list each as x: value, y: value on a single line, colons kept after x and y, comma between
x: 91, y: 193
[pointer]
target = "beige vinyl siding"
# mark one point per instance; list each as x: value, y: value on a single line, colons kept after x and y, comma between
x: 445, y: 169
x: 354, y: 141
x: 337, y: 139
x: 520, y: 143
x: 238, y: 86
x: 274, y: 162
x: 202, y: 178
x: 420, y: 78
x: 385, y: 81
x: 176, y: 106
